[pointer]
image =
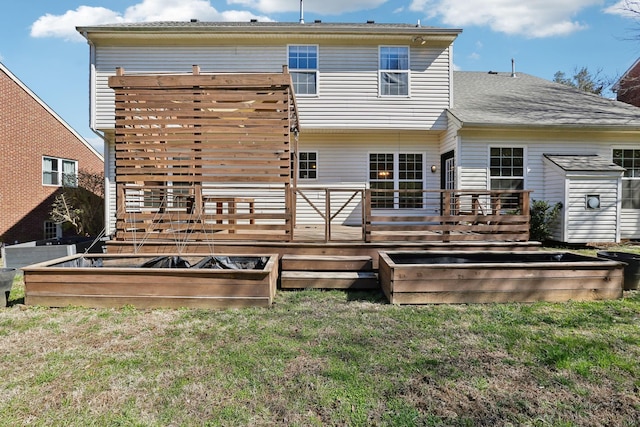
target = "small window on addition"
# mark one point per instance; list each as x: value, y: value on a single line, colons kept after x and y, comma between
x: 592, y: 201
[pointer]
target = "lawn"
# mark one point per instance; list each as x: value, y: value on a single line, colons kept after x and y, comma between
x: 323, y: 358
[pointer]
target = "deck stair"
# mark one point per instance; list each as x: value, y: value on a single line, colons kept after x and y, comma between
x: 327, y: 272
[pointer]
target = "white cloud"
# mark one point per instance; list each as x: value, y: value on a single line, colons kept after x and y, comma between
x: 63, y: 26
x: 534, y: 18
x: 324, y: 7
x: 625, y: 8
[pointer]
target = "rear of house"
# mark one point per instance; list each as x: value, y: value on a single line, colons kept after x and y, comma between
x: 371, y: 98
x: 39, y: 150
x: 379, y: 107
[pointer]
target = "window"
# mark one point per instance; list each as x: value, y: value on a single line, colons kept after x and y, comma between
x: 52, y: 230
x: 303, y: 66
x: 630, y: 160
x: 394, y: 71
x: 307, y: 165
x: 507, y: 168
x: 409, y: 176
x: 507, y: 173
x: 59, y: 172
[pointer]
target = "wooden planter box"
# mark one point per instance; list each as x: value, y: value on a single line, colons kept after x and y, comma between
x: 117, y: 280
x: 463, y: 277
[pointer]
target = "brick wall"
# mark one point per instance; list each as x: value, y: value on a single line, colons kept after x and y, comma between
x: 629, y: 90
x: 28, y: 132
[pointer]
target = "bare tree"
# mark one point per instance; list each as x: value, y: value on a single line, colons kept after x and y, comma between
x: 584, y: 80
x: 81, y: 204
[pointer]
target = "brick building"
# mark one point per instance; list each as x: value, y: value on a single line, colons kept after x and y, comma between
x: 627, y: 88
x: 38, y: 150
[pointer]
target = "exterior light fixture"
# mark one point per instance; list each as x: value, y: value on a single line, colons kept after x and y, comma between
x: 593, y: 201
x: 434, y: 168
x: 419, y: 39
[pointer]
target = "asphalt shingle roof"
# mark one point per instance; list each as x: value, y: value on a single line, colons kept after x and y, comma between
x: 489, y: 99
x: 579, y: 163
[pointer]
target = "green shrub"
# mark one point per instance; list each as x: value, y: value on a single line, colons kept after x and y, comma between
x: 543, y: 215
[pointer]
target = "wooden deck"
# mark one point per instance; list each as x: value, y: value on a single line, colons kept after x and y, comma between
x: 309, y: 240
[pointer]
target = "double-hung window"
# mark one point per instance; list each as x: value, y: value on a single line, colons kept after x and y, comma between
x: 59, y: 172
x: 401, y: 172
x: 630, y: 160
x: 303, y: 66
x: 394, y: 71
x: 507, y: 172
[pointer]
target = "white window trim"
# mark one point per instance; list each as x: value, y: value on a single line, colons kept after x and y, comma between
x: 407, y: 71
x: 525, y: 162
x: 396, y: 170
x: 60, y: 171
x: 317, y: 165
x: 625, y: 178
x: 307, y: 70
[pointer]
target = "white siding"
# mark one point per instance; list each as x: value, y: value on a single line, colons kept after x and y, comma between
x: 579, y: 225
x: 473, y: 166
x: 474, y: 158
x: 591, y: 225
x: 348, y: 82
x: 555, y: 190
x: 629, y: 224
x: 343, y: 162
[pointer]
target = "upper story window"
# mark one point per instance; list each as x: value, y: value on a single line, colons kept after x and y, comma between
x: 303, y: 66
x: 630, y: 160
x: 59, y: 172
x: 394, y: 71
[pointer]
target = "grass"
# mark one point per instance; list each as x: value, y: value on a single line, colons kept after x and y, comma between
x: 323, y: 358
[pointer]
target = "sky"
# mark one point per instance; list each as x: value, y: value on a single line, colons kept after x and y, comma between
x: 40, y: 46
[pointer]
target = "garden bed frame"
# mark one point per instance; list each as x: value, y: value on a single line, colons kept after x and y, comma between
x: 118, y: 283
x: 459, y: 277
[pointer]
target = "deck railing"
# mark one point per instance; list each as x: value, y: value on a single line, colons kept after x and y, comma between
x: 277, y: 214
x: 446, y: 215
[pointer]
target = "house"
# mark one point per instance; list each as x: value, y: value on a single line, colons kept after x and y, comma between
x: 386, y: 135
x: 565, y: 145
x: 39, y: 150
x: 627, y: 88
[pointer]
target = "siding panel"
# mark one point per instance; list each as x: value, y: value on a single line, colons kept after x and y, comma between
x: 348, y: 82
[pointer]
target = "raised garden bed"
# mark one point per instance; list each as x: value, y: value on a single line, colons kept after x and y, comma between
x: 151, y: 281
x: 485, y: 277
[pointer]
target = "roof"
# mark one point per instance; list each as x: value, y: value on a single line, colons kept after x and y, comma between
x: 55, y: 115
x: 498, y: 99
x: 582, y: 163
x: 616, y: 85
x: 249, y: 29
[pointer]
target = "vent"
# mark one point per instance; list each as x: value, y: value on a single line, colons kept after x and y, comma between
x: 194, y: 20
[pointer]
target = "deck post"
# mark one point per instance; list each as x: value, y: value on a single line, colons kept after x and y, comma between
x: 366, y: 219
x: 446, y: 212
x: 327, y: 215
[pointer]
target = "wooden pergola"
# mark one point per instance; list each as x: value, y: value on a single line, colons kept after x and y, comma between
x: 204, y: 156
